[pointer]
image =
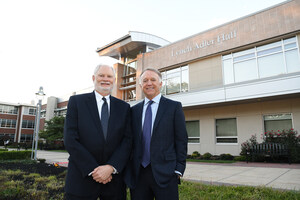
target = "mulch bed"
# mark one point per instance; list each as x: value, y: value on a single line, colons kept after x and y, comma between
x: 32, y: 187
x: 43, y: 169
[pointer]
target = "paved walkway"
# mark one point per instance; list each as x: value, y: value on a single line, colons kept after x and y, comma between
x: 279, y: 176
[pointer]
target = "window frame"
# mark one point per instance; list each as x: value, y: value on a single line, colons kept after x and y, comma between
x: 194, y: 137
x: 233, y: 137
x: 272, y: 114
x: 165, y: 79
x: 283, y: 43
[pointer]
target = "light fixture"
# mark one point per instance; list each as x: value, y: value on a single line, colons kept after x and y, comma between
x: 40, y: 94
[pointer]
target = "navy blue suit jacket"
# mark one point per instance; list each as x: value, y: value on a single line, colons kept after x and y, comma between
x: 168, y: 148
x: 84, y: 140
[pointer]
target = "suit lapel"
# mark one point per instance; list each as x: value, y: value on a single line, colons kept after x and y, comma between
x: 93, y: 109
x: 139, y: 117
x: 160, y: 111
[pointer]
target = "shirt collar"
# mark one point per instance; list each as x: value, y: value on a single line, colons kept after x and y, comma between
x: 99, y: 96
x: 155, y: 99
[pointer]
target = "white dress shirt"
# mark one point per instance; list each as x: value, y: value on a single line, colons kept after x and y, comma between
x: 100, y: 102
x: 154, y: 108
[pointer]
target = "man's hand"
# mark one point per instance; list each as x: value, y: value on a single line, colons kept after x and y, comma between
x: 102, y: 174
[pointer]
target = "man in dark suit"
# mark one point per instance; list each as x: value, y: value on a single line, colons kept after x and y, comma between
x: 98, y: 137
x: 159, y: 143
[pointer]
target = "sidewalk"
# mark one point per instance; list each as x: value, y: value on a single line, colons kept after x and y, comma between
x: 277, y: 176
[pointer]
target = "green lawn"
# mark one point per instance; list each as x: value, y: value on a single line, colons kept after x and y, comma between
x: 195, y: 191
x: 18, y: 184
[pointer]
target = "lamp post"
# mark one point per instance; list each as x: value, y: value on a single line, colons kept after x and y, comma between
x: 40, y: 94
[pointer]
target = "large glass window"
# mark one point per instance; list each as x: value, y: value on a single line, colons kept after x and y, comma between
x: 26, y: 137
x: 175, y: 80
x: 7, y: 136
x: 193, y: 131
x: 5, y: 109
x: 278, y: 122
x: 226, y: 130
x: 29, y: 111
x: 28, y: 124
x: 272, y: 59
x: 8, y: 123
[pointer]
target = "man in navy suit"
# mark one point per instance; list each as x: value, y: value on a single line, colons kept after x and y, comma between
x: 159, y: 143
x: 98, y: 137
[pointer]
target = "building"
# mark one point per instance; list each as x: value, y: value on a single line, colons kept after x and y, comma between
x: 17, y: 122
x: 235, y: 80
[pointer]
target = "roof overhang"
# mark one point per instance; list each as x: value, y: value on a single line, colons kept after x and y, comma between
x: 132, y: 43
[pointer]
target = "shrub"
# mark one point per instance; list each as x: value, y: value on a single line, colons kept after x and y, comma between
x: 52, y: 145
x: 215, y: 157
x: 288, y: 137
x: 207, y: 156
x: 41, y: 160
x: 195, y: 154
x: 226, y: 156
x: 240, y: 158
x: 3, y: 149
x: 14, y: 155
x: 246, y: 145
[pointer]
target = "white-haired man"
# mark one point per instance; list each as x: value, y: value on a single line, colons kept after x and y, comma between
x: 97, y: 136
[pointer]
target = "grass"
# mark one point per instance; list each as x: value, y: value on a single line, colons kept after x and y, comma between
x: 199, y: 191
x: 210, y: 161
x: 17, y: 184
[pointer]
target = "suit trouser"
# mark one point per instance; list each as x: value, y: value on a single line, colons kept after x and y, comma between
x: 147, y: 188
x: 114, y: 190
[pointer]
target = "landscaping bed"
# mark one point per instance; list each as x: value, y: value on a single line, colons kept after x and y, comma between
x: 30, y: 180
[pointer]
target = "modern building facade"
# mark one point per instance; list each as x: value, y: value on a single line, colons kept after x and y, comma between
x: 235, y: 80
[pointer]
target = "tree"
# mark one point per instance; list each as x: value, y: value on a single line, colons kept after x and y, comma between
x: 54, y: 129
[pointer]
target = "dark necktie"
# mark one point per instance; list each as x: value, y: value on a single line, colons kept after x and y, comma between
x: 104, y: 117
x: 147, y: 135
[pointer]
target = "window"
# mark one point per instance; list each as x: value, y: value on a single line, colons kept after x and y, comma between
x: 268, y: 60
x: 43, y: 114
x: 175, y: 80
x: 226, y: 130
x: 5, y: 109
x: 193, y: 131
x: 278, y: 122
x: 7, y: 136
x: 8, y: 123
x: 29, y: 111
x: 128, y: 84
x: 61, y: 112
x: 28, y: 124
x: 26, y: 137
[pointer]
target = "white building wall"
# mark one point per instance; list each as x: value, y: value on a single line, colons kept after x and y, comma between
x: 249, y: 118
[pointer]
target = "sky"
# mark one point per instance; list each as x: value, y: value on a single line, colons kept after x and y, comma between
x: 52, y: 43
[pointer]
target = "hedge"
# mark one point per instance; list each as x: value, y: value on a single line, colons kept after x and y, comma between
x: 14, y: 155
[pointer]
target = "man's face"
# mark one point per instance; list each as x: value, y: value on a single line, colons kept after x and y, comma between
x: 104, y: 80
x: 150, y: 84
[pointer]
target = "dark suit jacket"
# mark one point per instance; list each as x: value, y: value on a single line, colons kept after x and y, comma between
x: 84, y: 140
x: 168, y: 149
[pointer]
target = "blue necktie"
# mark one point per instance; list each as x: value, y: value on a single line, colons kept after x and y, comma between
x: 147, y: 135
x: 104, y: 117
